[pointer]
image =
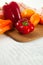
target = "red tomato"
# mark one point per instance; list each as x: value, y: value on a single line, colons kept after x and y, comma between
x: 24, y: 26
x: 41, y: 19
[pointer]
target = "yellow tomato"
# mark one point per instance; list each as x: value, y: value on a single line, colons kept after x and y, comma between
x: 27, y: 13
x: 35, y: 19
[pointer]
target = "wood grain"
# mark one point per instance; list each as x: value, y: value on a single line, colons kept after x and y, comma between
x: 37, y: 33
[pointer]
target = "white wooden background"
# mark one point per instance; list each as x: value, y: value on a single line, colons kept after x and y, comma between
x: 16, y: 53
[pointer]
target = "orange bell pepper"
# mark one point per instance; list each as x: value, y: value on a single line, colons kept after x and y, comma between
x: 4, y: 22
x: 5, y: 25
x: 4, y: 29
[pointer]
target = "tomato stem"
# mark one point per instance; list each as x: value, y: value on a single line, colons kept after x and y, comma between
x: 25, y: 23
x: 6, y: 3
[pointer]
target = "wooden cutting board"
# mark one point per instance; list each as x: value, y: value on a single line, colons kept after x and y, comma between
x: 37, y: 33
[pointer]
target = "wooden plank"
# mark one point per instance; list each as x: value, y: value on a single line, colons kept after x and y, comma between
x: 37, y: 33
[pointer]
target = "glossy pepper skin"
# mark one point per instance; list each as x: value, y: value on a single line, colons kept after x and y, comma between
x: 24, y: 26
x: 7, y: 12
x: 16, y: 10
x: 12, y: 12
